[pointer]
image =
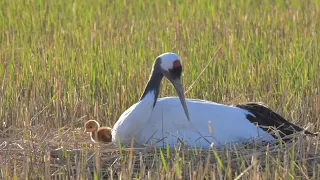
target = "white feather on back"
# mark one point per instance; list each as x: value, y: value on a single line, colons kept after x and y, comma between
x: 169, y: 124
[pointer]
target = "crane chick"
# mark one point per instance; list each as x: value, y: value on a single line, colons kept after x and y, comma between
x: 98, y: 134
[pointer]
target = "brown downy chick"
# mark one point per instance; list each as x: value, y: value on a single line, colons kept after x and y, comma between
x: 98, y: 134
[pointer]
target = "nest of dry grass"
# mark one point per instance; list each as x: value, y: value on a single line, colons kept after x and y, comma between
x: 39, y: 152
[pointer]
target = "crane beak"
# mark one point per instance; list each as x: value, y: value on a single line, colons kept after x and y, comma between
x: 178, y: 86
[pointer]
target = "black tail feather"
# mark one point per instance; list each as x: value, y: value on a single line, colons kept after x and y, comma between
x: 267, y: 119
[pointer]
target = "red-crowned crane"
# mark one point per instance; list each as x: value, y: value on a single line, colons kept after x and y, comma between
x: 175, y: 119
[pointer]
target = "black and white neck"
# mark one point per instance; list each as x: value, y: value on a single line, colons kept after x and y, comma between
x: 166, y: 65
x: 154, y: 83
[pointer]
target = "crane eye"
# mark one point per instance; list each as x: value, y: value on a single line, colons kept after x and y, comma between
x: 176, y: 64
x: 176, y: 72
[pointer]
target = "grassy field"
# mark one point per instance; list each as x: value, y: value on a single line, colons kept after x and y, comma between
x: 65, y: 62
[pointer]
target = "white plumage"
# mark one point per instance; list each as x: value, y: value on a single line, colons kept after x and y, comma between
x: 168, y: 124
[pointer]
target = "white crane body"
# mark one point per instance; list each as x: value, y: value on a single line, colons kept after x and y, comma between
x: 173, y: 120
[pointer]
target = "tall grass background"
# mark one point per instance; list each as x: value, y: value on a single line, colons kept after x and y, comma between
x: 64, y: 62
